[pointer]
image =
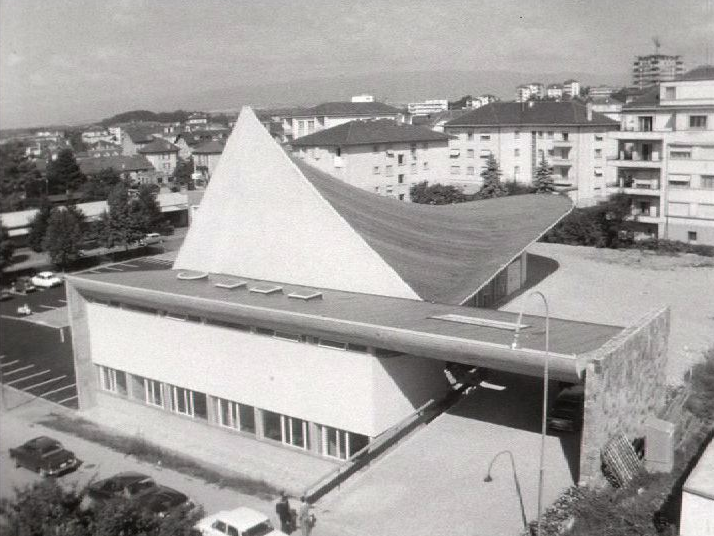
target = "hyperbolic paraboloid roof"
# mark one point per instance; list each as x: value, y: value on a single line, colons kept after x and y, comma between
x: 266, y: 217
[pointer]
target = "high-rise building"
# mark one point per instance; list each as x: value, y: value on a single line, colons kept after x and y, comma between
x: 656, y: 68
x: 665, y: 158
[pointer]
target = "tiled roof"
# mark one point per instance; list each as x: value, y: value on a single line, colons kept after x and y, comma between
x: 159, y: 145
x: 197, y: 137
x: 703, y: 72
x: 366, y: 132
x: 531, y: 113
x: 649, y: 98
x: 210, y: 147
x: 142, y: 133
x: 348, y: 108
x: 90, y: 166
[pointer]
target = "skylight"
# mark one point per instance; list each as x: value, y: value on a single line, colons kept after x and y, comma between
x: 230, y: 284
x: 266, y: 288
x: 306, y: 294
x: 484, y: 322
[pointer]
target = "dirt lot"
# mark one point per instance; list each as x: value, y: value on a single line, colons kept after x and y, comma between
x: 618, y: 286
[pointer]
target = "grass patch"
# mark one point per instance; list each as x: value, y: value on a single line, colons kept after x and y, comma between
x: 145, y: 451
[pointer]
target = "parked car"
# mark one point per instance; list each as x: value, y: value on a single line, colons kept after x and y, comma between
x: 46, y: 280
x: 23, y: 285
x: 160, y: 500
x: 150, y: 239
x: 45, y: 455
x: 567, y: 412
x: 239, y: 522
x: 126, y: 485
x: 5, y: 295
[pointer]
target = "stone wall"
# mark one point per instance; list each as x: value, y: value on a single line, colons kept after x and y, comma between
x: 625, y: 382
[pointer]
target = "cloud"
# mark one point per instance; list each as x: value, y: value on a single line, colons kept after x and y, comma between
x: 13, y: 59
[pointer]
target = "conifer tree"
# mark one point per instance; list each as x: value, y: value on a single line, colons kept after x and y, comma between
x: 491, y: 176
x: 63, y: 173
x: 38, y: 225
x: 543, y: 181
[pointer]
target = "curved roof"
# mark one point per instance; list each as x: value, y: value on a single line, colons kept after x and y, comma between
x: 265, y: 216
x: 446, y: 252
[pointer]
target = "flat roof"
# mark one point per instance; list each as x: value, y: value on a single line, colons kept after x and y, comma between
x: 701, y: 479
x: 397, y: 324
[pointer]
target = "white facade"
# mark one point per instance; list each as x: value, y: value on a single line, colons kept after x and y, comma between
x: 523, y: 93
x: 665, y: 162
x: 578, y: 156
x: 296, y: 127
x: 554, y: 91
x: 387, y: 169
x: 363, y: 98
x: 428, y: 107
x: 697, y: 512
x: 571, y: 88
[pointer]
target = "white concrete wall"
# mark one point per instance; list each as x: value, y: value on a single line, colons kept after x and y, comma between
x: 697, y: 517
x: 346, y: 390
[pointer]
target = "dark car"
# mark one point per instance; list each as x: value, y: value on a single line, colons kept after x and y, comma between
x: 567, y: 412
x: 160, y: 500
x: 45, y: 455
x: 126, y: 485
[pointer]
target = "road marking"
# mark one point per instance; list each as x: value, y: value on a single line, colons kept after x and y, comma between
x: 44, y: 382
x: 9, y: 363
x: 68, y: 399
x: 58, y: 390
x: 49, y: 306
x: 129, y: 265
x: 93, y: 272
x: 28, y: 377
x: 2, y: 357
x: 62, y: 301
x: 112, y: 268
x: 17, y: 370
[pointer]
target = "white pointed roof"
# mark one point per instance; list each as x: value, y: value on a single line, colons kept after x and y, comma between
x: 261, y: 218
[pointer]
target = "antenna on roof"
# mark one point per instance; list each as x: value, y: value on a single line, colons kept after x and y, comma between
x: 657, y: 44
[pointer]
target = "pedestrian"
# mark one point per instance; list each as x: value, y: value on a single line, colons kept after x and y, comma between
x: 305, y: 517
x: 282, y: 508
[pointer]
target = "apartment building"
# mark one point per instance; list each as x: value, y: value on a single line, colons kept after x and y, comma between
x: 162, y: 154
x: 601, y: 91
x: 573, y: 139
x: 428, y: 107
x: 656, y: 68
x: 206, y: 157
x: 571, y: 88
x: 534, y: 90
x: 304, y: 121
x: 665, y: 158
x: 382, y: 156
x: 554, y: 91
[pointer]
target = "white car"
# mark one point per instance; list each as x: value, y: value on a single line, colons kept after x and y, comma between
x: 46, y: 280
x: 151, y: 238
x: 239, y: 522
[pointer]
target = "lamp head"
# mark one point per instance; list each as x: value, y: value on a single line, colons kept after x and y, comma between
x: 488, y: 478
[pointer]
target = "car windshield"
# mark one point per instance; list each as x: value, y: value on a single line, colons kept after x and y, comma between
x: 50, y: 451
x: 259, y: 530
x: 136, y: 487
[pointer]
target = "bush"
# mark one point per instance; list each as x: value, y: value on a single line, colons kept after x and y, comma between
x: 674, y: 247
x: 701, y: 399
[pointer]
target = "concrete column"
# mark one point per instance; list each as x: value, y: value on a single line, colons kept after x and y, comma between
x: 315, y: 437
x: 259, y: 430
x: 83, y: 366
x: 212, y: 409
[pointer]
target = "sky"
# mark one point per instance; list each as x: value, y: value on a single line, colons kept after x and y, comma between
x: 72, y: 61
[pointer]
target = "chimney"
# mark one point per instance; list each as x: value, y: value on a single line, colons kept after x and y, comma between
x: 589, y: 110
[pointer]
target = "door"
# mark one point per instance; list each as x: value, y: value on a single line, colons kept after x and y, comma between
x: 646, y: 152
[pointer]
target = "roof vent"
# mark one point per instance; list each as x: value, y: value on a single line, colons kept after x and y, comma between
x: 484, y: 322
x: 230, y: 284
x: 306, y: 294
x: 266, y: 288
x: 189, y: 275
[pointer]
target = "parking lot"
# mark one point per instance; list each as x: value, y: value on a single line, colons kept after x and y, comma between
x: 36, y: 357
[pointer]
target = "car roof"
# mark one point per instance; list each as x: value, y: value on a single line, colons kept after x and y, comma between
x: 43, y: 441
x: 46, y: 274
x: 128, y: 476
x: 241, y: 518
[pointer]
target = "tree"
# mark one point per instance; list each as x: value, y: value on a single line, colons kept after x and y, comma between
x: 46, y: 508
x: 63, y: 173
x: 183, y: 173
x: 7, y: 248
x: 75, y: 140
x: 18, y: 174
x: 64, y: 238
x: 491, y: 176
x: 38, y: 225
x: 98, y: 186
x: 543, y: 181
x: 145, y: 209
x: 436, y: 194
x: 122, y: 223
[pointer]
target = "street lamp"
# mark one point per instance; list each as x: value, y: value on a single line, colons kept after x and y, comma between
x: 488, y: 478
x: 543, y: 431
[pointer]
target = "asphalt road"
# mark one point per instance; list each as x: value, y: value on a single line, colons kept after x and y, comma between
x: 38, y: 359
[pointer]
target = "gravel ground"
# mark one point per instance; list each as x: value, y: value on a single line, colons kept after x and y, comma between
x: 619, y: 286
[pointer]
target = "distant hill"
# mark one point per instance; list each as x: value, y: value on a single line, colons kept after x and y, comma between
x: 146, y: 115
x: 392, y: 87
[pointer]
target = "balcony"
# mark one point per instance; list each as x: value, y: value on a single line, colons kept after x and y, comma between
x: 636, y: 186
x: 631, y: 133
x: 563, y: 143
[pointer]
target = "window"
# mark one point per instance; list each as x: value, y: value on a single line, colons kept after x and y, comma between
x: 264, y: 331
x: 272, y: 425
x: 389, y: 170
x: 400, y: 159
x: 698, y: 121
x: 338, y: 151
x: 598, y: 153
x: 670, y: 93
x: 707, y: 182
x: 470, y: 135
x: 517, y: 135
x: 375, y: 170
x: 565, y: 136
x: 692, y: 236
x: 235, y: 415
x: 456, y: 170
x: 681, y: 155
x: 167, y: 166
x: 340, y: 444
x: 516, y: 152
x: 181, y: 400
x: 469, y: 153
x: 516, y: 172
x: 679, y: 182
x: 485, y: 137
x: 311, y: 126
x: 645, y: 123
x: 287, y: 336
x: 426, y: 165
x: 401, y: 197
x: 327, y: 343
x: 550, y: 134
x: 413, y: 168
x: 152, y: 393
x: 540, y: 133
x: 400, y: 178
x: 598, y: 137
x: 112, y: 380
x: 470, y: 170
x: 288, y: 430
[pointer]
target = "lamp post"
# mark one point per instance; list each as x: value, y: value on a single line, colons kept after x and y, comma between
x: 488, y: 478
x: 543, y: 431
